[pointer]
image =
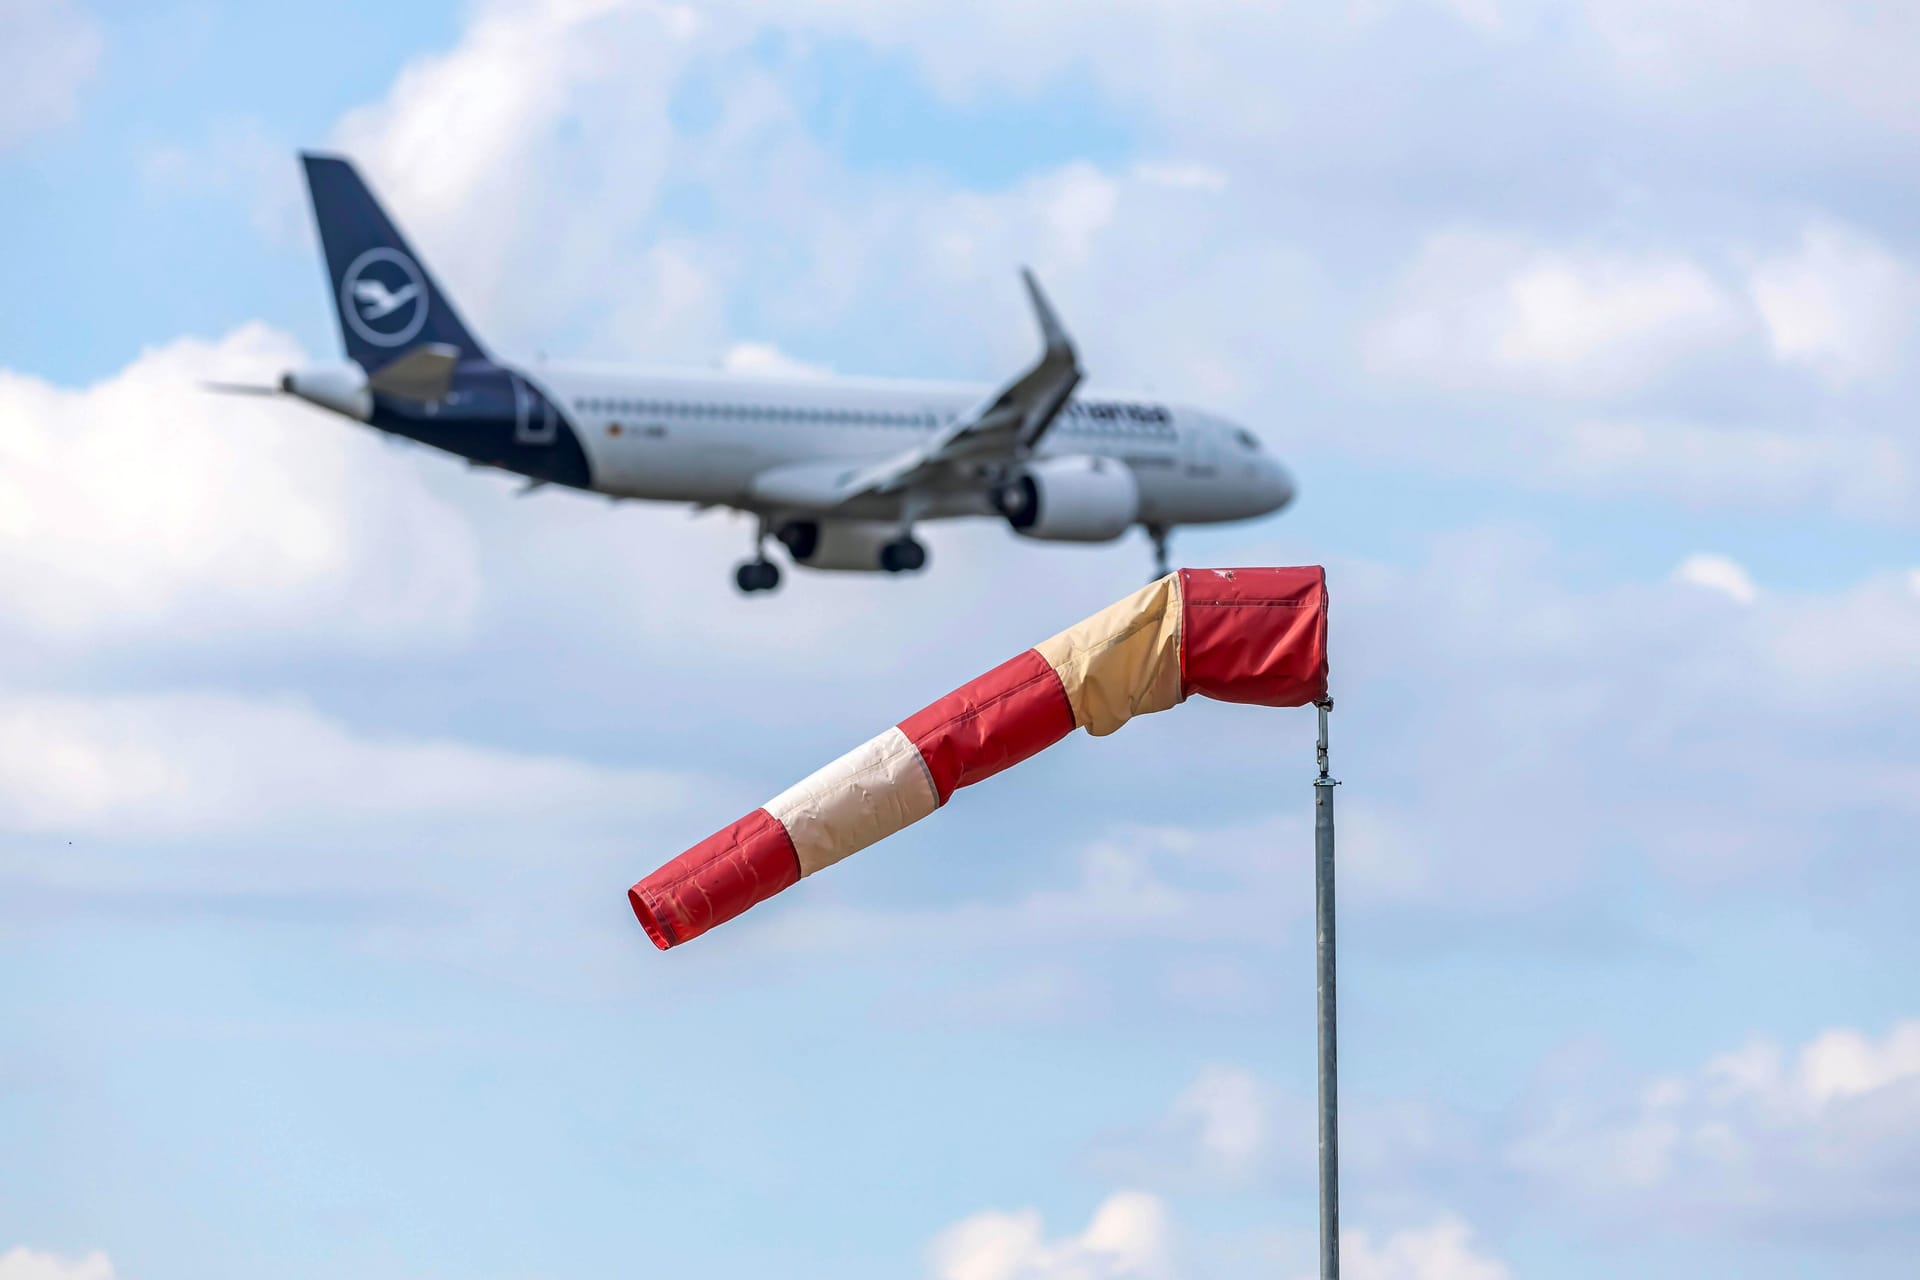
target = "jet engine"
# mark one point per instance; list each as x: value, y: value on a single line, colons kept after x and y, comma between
x: 1071, y: 499
x: 858, y: 546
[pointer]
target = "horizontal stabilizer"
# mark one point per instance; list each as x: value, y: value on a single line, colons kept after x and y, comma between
x: 424, y: 373
x: 241, y: 388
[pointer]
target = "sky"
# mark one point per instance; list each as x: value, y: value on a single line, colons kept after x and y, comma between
x: 1588, y: 330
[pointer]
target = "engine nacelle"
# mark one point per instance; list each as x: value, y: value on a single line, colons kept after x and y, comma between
x: 1083, y: 498
x: 339, y: 387
x: 847, y: 545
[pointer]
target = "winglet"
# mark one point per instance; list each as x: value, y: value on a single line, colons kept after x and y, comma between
x: 1051, y: 331
x: 1004, y: 427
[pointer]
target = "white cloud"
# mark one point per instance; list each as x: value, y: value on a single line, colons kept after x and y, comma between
x: 161, y: 766
x: 1842, y: 1063
x: 1128, y: 1238
x: 195, y: 802
x: 1572, y: 697
x: 1182, y: 176
x: 491, y: 154
x: 1716, y: 573
x: 1840, y: 303
x: 1804, y: 57
x: 671, y: 299
x: 1131, y: 1237
x: 1216, y: 62
x: 765, y: 358
x: 145, y: 507
x: 1760, y: 1140
x: 1490, y: 310
x: 1759, y: 1137
x: 1133, y: 882
x: 51, y: 51
x: 22, y: 1263
x: 464, y: 150
x: 1080, y: 205
x: 1224, y: 1113
x: 1231, y: 1129
x: 1443, y: 1250
x: 1854, y: 473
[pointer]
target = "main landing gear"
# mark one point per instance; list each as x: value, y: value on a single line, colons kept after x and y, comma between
x: 759, y: 573
x: 1159, y: 533
x: 847, y: 547
x: 905, y: 554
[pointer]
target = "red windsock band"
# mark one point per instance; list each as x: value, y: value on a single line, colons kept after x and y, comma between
x: 991, y: 723
x: 1254, y: 635
x: 716, y: 880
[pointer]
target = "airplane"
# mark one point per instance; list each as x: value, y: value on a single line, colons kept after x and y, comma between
x: 838, y: 471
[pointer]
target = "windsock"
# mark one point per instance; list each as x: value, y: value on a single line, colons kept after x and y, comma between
x: 1237, y: 635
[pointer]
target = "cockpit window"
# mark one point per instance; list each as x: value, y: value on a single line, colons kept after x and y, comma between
x: 1246, y: 439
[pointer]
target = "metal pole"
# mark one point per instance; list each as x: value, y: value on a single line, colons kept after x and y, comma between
x: 1323, y: 787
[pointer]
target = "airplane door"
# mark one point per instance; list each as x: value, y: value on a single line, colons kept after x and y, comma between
x: 533, y: 417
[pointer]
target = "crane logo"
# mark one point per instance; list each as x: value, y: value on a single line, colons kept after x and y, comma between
x: 384, y: 297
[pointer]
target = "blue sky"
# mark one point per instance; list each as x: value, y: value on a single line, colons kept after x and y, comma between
x: 1588, y: 330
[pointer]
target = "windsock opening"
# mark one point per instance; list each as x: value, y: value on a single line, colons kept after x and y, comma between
x: 732, y: 869
x: 662, y: 935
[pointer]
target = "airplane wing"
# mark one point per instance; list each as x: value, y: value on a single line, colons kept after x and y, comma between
x: 1003, y: 428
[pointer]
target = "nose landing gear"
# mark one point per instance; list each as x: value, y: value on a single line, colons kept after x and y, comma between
x: 1160, y: 533
x: 757, y: 575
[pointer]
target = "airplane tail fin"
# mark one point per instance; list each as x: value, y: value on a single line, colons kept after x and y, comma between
x: 386, y: 301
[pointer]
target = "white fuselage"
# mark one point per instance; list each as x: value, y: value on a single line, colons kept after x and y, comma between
x: 753, y: 442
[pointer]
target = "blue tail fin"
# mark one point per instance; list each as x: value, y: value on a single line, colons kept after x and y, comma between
x: 387, y: 302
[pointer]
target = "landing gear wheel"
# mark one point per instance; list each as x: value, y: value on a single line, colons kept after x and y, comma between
x: 903, y: 555
x: 757, y: 575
